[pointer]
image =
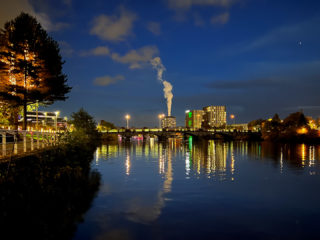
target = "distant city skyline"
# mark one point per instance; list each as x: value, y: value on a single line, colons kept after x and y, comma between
x: 257, y: 58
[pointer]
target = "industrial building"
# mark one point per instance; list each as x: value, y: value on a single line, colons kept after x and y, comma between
x: 215, y: 116
x: 194, y: 118
x: 168, y: 122
x: 209, y: 117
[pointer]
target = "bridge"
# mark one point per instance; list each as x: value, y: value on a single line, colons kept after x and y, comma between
x: 16, y: 143
x: 163, y: 134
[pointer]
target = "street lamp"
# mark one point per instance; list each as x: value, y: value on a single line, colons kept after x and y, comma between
x: 232, y: 118
x: 66, y: 122
x: 57, y: 114
x: 127, y: 118
x: 37, y: 105
x: 44, y: 122
x: 160, y: 116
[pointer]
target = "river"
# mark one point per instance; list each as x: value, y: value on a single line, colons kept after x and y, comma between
x: 204, y: 190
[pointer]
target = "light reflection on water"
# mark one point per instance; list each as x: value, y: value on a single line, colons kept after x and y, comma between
x: 212, y: 158
x: 187, y: 190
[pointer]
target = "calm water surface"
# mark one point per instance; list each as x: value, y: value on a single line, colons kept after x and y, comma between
x: 205, y: 190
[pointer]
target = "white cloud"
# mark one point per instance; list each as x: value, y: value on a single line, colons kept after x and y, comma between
x: 137, y: 58
x: 107, y: 80
x: 187, y: 4
x: 198, y: 20
x: 66, y: 49
x: 114, y: 28
x: 154, y: 27
x: 10, y: 9
x: 98, y: 51
x: 182, y: 10
x: 67, y: 2
x: 220, y: 19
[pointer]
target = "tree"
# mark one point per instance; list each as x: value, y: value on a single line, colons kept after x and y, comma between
x: 84, y: 124
x: 256, y: 124
x: 31, y: 65
x: 104, y: 125
x: 295, y: 120
x: 276, y: 118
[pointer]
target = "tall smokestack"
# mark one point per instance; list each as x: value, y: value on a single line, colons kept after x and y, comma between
x: 167, y: 87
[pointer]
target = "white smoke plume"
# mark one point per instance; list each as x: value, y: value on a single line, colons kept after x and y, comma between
x: 167, y: 87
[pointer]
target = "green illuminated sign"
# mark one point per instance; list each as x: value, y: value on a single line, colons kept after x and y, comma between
x: 190, y: 114
x: 190, y: 123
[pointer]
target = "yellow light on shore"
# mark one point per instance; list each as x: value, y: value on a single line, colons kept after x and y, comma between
x: 302, y: 130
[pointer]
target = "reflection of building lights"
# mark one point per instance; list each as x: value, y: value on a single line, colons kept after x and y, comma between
x: 161, y: 163
x: 168, y: 177
x: 311, y: 156
x: 187, y: 163
x: 281, y: 160
x: 128, y: 164
x: 232, y: 163
x: 97, y: 156
x: 303, y: 154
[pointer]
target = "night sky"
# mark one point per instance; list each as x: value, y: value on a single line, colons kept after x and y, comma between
x: 257, y: 57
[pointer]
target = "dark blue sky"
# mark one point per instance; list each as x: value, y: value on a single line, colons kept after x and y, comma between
x: 257, y: 57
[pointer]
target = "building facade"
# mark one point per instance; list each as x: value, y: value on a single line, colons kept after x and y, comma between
x: 194, y: 118
x: 214, y: 116
x: 168, y: 122
x: 45, y: 119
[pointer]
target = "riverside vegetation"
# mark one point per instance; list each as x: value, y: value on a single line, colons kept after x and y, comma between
x: 46, y: 195
x: 294, y: 128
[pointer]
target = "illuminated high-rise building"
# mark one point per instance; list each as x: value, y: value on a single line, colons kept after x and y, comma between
x: 215, y: 116
x: 194, y: 118
x: 168, y: 122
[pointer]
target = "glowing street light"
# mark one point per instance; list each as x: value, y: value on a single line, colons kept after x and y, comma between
x: 232, y: 117
x: 57, y: 114
x: 127, y: 118
x: 160, y: 116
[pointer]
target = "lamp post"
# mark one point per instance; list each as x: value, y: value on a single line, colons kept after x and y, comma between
x: 127, y: 118
x: 37, y: 105
x: 160, y: 116
x: 66, y: 122
x: 57, y: 114
x: 232, y: 117
x: 44, y: 122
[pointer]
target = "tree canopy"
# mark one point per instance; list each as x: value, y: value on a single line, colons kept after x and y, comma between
x: 81, y: 120
x: 31, y: 64
x: 104, y: 125
x: 84, y: 128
